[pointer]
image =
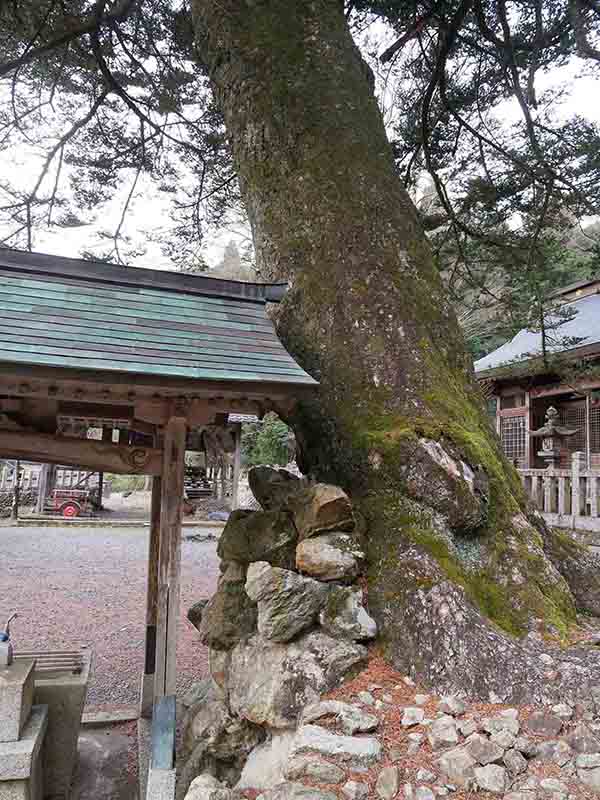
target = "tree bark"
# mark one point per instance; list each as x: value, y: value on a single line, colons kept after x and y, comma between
x: 398, y: 420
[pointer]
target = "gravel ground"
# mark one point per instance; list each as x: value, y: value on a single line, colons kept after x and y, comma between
x: 137, y: 506
x: 87, y: 586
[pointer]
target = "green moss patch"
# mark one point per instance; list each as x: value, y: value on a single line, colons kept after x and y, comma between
x: 508, y: 605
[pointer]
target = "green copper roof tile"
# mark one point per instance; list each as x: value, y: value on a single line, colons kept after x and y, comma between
x: 74, y: 314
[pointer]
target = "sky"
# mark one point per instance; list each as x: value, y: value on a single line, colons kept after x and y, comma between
x: 149, y: 209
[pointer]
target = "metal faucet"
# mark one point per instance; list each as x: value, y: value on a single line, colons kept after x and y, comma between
x: 6, y: 649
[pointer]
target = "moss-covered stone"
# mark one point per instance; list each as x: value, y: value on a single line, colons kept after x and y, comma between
x: 259, y: 536
x: 274, y: 488
x: 509, y: 580
x: 344, y: 615
x: 579, y: 566
x: 330, y: 557
x: 228, y: 618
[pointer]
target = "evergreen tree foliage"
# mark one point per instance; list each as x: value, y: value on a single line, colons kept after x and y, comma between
x: 113, y: 93
x: 266, y: 442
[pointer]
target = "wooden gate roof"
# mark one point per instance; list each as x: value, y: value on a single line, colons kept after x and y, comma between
x: 75, y: 314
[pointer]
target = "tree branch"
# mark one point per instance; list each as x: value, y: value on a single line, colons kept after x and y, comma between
x: 86, y: 26
x: 391, y: 51
x: 584, y: 47
x: 64, y: 139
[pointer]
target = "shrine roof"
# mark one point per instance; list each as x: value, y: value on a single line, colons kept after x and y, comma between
x: 85, y: 315
x: 579, y: 332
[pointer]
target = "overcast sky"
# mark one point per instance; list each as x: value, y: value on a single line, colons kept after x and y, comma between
x: 149, y: 210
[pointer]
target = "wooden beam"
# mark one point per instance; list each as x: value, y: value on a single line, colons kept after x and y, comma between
x: 85, y: 453
x: 564, y: 388
x: 118, y: 388
x: 520, y: 411
x: 139, y: 426
x: 69, y: 408
x: 198, y: 411
x: 169, y: 555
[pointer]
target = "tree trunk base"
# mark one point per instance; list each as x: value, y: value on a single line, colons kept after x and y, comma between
x: 579, y: 567
x: 432, y: 630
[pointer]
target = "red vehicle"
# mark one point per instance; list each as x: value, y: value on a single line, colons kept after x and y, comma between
x: 72, y: 502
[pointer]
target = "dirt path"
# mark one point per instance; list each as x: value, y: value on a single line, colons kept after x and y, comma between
x: 86, y: 586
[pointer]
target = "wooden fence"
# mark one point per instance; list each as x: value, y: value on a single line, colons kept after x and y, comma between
x: 66, y: 478
x: 567, y: 498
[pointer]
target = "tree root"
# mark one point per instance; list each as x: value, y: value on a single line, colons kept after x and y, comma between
x: 578, y: 566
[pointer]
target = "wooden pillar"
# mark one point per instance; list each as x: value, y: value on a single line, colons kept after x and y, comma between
x: 147, y: 690
x: 576, y: 487
x: 548, y: 482
x: 169, y: 556
x: 215, y: 479
x: 237, y: 462
x: 562, y: 495
x: 535, y: 483
x: 51, y: 485
x: 224, y: 477
x: 100, y: 490
x: 17, y: 495
x: 106, y: 437
x: 498, y: 418
x: 593, y: 484
x: 528, y: 425
x: 588, y: 432
x: 42, y: 488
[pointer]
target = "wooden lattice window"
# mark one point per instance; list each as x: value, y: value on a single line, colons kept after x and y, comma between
x: 595, y: 429
x: 573, y: 416
x: 514, y: 438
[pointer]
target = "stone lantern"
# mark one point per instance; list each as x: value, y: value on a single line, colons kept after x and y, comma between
x: 552, y: 435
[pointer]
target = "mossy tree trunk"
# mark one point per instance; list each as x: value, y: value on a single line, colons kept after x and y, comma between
x: 398, y: 420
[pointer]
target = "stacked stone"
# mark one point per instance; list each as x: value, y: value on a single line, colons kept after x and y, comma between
x: 286, y: 625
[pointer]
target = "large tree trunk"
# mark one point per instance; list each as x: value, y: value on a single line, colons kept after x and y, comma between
x: 459, y: 568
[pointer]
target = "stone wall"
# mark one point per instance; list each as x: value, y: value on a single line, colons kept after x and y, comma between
x: 286, y: 624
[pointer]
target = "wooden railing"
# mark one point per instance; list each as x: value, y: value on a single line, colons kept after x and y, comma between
x: 66, y: 478
x: 567, y: 498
